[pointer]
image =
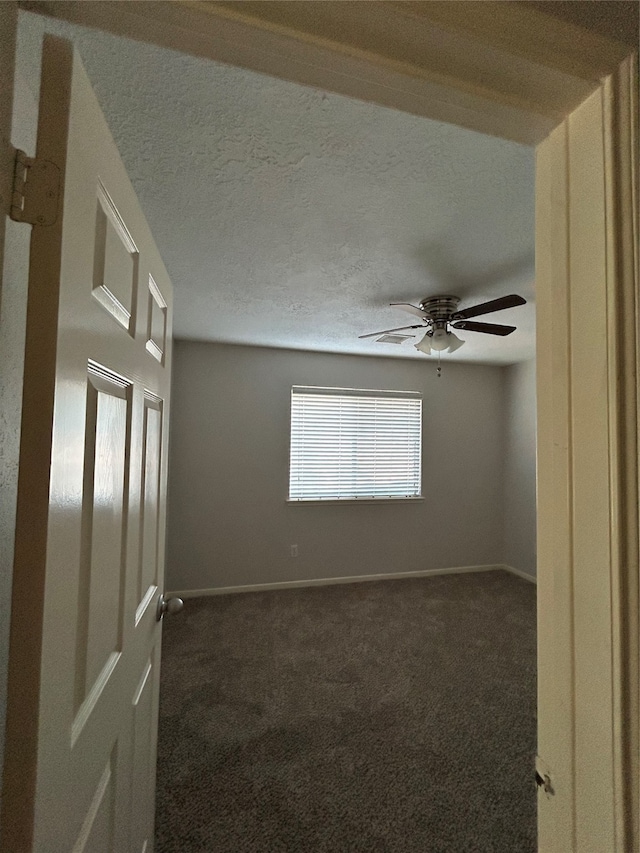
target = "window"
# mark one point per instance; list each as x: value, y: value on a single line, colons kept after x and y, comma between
x: 348, y: 444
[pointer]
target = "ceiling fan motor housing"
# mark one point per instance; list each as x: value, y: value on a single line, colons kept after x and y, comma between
x: 439, y: 309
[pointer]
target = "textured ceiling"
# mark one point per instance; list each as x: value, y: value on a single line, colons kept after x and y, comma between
x: 290, y: 217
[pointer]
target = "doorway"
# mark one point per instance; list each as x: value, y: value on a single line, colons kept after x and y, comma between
x: 577, y: 437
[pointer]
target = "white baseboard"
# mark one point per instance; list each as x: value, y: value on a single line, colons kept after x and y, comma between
x: 264, y: 587
x: 519, y: 573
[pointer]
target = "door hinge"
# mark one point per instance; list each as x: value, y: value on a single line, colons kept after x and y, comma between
x: 36, y: 190
x: 543, y: 777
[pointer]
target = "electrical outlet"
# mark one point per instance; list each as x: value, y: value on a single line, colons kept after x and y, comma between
x: 294, y: 550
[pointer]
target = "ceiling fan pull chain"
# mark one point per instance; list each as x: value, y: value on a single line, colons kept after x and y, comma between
x: 439, y: 370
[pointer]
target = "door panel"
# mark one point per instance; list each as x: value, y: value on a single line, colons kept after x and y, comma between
x: 116, y: 262
x: 156, y: 321
x: 142, y: 751
x: 96, y: 833
x: 85, y: 630
x: 151, y: 495
x: 104, y: 511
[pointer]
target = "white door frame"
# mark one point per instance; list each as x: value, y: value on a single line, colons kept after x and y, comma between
x: 587, y: 341
x: 587, y: 386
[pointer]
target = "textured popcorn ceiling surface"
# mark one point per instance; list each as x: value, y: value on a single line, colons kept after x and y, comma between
x: 291, y: 217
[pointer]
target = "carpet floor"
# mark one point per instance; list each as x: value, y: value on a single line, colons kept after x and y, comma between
x: 386, y: 717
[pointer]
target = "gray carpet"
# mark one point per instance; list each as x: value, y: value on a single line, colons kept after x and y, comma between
x: 395, y: 716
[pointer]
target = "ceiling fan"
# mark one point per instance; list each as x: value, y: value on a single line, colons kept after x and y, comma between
x: 440, y: 314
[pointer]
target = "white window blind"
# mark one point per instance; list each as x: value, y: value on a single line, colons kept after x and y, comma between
x: 349, y: 444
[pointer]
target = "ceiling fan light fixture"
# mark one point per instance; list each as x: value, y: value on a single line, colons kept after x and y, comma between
x: 454, y: 342
x: 440, y: 340
x: 425, y: 344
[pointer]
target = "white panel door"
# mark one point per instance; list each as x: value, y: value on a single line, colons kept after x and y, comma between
x: 85, y: 653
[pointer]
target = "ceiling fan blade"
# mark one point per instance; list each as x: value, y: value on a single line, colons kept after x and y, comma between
x: 388, y: 331
x: 412, y: 309
x: 488, y: 307
x: 487, y: 328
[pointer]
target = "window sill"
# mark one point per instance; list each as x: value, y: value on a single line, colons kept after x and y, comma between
x: 351, y: 501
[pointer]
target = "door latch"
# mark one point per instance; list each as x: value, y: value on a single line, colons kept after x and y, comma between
x: 543, y: 777
x: 544, y: 782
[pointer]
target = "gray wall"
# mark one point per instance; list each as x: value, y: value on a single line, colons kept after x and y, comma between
x: 229, y: 524
x: 520, y: 467
x: 18, y: 121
